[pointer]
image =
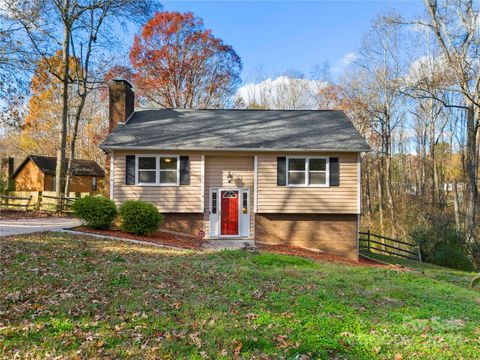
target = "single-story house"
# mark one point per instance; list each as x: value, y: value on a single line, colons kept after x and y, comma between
x: 37, y: 173
x: 278, y: 177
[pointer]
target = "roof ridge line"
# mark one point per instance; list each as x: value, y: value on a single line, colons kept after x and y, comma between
x: 259, y: 110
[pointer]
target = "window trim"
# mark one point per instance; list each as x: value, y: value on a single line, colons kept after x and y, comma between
x: 307, y: 171
x: 157, y: 169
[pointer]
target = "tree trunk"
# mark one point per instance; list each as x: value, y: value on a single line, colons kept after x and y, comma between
x: 424, y: 158
x: 433, y: 168
x: 368, y: 200
x: 380, y: 199
x: 471, y: 169
x: 456, y: 204
x: 73, y: 143
x: 62, y: 134
x: 388, y: 188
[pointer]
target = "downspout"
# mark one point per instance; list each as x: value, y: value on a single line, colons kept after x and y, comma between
x: 359, y: 199
x: 112, y: 174
x: 202, y: 180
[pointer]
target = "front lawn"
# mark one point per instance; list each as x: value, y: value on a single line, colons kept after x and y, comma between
x: 71, y: 297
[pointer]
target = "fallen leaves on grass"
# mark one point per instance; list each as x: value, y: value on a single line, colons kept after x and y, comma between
x: 65, y: 296
x: 159, y: 237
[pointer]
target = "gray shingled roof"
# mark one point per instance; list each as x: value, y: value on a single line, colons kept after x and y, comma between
x: 48, y: 164
x: 322, y: 130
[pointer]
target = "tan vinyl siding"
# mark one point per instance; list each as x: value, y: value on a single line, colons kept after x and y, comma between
x: 216, y: 172
x: 271, y: 198
x: 218, y: 167
x: 177, y: 199
x: 321, y: 200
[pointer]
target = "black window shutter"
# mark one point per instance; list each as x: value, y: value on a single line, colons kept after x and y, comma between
x: 281, y: 171
x: 334, y: 172
x: 130, y: 170
x: 184, y: 171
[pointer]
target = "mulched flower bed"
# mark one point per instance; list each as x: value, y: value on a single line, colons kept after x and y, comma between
x: 30, y: 214
x: 190, y: 242
x: 159, y: 237
x: 317, y: 256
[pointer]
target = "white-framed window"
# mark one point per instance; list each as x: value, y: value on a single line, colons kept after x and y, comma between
x: 245, y: 206
x: 94, y: 183
x: 307, y: 171
x: 157, y: 170
x: 169, y: 169
x: 213, y: 202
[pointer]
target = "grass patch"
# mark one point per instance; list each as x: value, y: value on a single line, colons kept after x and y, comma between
x: 269, y: 259
x: 62, y: 295
x: 461, y: 278
x: 60, y: 326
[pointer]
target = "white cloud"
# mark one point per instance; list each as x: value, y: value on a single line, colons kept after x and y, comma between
x: 344, y: 62
x: 281, y: 93
x: 427, y: 68
x: 348, y: 59
x: 419, y: 28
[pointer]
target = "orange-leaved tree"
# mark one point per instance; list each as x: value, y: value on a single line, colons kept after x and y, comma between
x: 44, y: 116
x: 177, y: 63
x: 43, y: 119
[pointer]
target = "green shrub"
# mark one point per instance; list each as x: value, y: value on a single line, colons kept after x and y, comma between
x: 139, y: 217
x: 98, y: 212
x: 452, y: 257
x: 443, y: 245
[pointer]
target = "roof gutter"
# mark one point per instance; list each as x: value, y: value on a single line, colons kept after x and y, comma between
x: 155, y: 148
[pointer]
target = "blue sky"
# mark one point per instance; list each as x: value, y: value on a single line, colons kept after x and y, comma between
x: 275, y: 36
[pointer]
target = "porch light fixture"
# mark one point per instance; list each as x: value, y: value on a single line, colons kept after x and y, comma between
x: 229, y: 177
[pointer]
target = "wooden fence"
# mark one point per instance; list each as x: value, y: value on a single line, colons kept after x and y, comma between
x: 7, y: 201
x: 385, y: 245
x: 62, y: 206
x: 38, y: 200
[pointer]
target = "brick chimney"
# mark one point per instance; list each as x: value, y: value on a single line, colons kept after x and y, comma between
x: 121, y: 102
x: 120, y: 106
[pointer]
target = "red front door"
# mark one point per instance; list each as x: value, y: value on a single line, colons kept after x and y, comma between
x: 229, y: 215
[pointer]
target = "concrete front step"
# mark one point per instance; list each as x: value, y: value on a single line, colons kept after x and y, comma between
x: 229, y: 244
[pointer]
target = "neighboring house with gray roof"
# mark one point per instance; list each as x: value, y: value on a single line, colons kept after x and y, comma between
x: 37, y: 173
x: 289, y: 177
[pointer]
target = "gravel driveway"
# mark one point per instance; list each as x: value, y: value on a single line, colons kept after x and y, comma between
x: 26, y: 226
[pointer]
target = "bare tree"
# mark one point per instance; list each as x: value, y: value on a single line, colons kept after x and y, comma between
x: 87, y: 41
x: 380, y: 60
x: 53, y: 24
x: 13, y: 68
x: 455, y: 26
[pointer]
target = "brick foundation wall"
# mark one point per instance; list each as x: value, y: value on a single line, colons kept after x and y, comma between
x: 189, y: 223
x: 334, y: 234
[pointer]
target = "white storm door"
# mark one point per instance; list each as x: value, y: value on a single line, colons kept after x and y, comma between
x: 244, y: 212
x: 214, y: 213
